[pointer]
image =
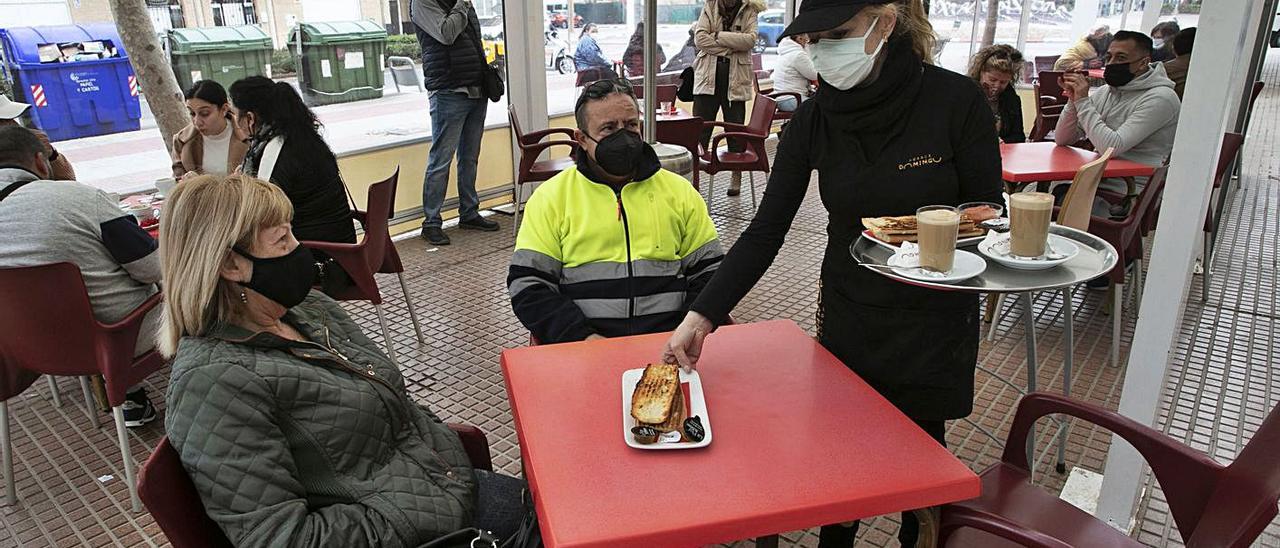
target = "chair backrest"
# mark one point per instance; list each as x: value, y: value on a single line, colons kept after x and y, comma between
x: 1148, y: 201
x: 515, y: 126
x: 762, y: 80
x: 171, y: 498
x: 685, y: 133
x: 762, y: 112
x: 1243, y: 502
x: 1045, y: 62
x: 46, y: 322
x: 1077, y: 206
x: 1048, y: 85
x: 666, y: 92
x: 1253, y: 95
x: 1231, y: 143
x: 379, y: 210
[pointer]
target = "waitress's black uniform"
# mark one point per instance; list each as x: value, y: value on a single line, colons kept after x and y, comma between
x: 918, y: 135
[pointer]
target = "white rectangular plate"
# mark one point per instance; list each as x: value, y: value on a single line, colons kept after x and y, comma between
x: 697, y: 408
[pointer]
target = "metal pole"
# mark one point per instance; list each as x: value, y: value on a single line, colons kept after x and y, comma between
x: 1023, y: 25
x: 973, y: 34
x: 1223, y: 35
x: 650, y: 69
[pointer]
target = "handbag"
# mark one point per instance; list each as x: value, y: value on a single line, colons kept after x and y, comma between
x: 527, y: 535
x: 685, y: 93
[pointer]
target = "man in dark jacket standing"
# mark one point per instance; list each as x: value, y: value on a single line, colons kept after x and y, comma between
x: 452, y: 68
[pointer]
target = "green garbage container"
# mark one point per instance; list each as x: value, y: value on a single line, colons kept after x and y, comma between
x: 221, y: 54
x: 340, y: 61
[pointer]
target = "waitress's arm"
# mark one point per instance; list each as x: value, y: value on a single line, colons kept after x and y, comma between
x: 756, y: 248
x: 977, y: 153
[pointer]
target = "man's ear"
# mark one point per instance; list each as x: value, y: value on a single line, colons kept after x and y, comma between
x: 42, y: 166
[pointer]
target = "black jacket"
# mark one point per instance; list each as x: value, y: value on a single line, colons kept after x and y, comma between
x: 1010, y: 110
x: 308, y: 173
x: 918, y: 347
x: 451, y: 66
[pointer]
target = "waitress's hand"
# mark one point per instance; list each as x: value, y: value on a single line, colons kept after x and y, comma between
x: 685, y: 345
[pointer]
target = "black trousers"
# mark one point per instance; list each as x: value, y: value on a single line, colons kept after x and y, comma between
x: 708, y: 107
x: 839, y: 536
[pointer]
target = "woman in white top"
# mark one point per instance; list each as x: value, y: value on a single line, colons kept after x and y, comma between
x: 211, y: 144
x: 794, y: 72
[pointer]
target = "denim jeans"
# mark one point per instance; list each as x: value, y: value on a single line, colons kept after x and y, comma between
x: 499, y: 506
x: 457, y: 124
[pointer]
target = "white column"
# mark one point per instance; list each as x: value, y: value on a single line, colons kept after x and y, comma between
x: 1023, y: 24
x: 526, y: 79
x: 1151, y: 15
x: 1221, y: 38
x: 790, y: 12
x: 1124, y: 14
x: 1083, y: 17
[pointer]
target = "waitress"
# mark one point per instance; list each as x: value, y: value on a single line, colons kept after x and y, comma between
x: 888, y: 132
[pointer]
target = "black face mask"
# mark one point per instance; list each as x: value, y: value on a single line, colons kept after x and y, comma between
x: 1117, y: 74
x: 286, y: 279
x: 620, y: 153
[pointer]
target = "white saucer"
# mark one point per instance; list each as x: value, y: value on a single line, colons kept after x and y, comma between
x: 996, y: 248
x: 966, y: 265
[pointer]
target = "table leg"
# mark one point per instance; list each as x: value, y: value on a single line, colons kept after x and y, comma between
x: 930, y: 519
x: 770, y: 541
x: 1029, y: 324
x: 1068, y: 329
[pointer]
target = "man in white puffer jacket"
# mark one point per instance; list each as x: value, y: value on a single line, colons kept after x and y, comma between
x: 1136, y: 113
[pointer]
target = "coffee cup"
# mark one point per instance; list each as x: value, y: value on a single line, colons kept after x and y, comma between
x: 937, y: 227
x: 1029, y: 217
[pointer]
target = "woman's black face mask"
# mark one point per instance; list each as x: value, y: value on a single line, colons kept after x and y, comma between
x: 286, y: 279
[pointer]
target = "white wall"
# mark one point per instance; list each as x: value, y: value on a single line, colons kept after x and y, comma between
x: 31, y: 13
x: 316, y: 11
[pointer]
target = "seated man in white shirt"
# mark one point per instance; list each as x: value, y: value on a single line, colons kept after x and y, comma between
x: 794, y: 72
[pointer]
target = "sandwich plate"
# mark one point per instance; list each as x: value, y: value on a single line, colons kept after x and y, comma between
x: 962, y: 242
x: 691, y: 385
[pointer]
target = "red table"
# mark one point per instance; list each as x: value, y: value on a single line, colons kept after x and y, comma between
x: 798, y: 440
x: 1034, y: 162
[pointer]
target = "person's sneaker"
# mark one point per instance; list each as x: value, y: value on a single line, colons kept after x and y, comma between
x: 1098, y: 284
x: 479, y: 223
x: 434, y: 235
x: 137, y: 409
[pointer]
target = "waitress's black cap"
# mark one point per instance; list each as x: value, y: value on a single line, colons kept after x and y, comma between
x: 820, y: 15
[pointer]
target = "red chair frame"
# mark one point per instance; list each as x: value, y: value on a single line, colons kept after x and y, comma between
x: 532, y: 170
x: 754, y: 158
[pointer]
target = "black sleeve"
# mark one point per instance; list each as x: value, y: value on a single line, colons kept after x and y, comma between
x: 977, y: 151
x: 1011, y: 130
x: 548, y: 315
x: 757, y: 247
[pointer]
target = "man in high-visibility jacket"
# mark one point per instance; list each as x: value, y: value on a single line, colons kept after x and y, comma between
x: 616, y: 245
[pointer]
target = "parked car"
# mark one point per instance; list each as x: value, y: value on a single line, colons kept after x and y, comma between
x: 769, y: 25
x: 560, y: 20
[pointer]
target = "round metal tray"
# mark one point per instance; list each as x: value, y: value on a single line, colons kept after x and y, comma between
x: 1096, y: 258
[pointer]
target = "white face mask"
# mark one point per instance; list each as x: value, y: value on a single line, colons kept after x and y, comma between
x: 1157, y: 43
x: 845, y: 63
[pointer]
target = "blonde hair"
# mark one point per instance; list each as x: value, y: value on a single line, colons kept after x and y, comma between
x: 912, y: 22
x: 997, y: 58
x: 203, y: 219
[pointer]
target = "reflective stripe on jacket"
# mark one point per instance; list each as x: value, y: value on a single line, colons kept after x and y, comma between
x: 592, y: 261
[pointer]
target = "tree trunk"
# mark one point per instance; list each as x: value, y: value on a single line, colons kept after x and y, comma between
x: 993, y: 15
x: 151, y: 66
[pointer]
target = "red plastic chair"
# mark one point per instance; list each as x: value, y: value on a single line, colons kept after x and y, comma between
x: 171, y: 497
x: 532, y: 170
x: 1049, y: 107
x: 666, y: 94
x: 47, y: 326
x: 775, y: 95
x: 754, y: 158
x: 1126, y: 236
x: 686, y: 133
x: 1231, y: 143
x: 361, y: 260
x: 1212, y: 505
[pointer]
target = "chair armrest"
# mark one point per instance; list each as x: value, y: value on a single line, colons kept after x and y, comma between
x: 349, y: 256
x: 727, y: 126
x: 535, y: 149
x: 1184, y: 473
x: 475, y: 443
x: 719, y: 137
x: 134, y: 319
x: 955, y: 517
x: 777, y: 94
x: 535, y: 136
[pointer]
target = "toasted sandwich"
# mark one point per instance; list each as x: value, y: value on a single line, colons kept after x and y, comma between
x: 656, y: 394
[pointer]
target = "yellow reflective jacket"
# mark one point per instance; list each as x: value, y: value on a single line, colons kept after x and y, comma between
x: 590, y: 260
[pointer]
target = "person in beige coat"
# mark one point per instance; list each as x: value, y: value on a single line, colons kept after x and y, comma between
x: 723, y: 75
x: 211, y: 144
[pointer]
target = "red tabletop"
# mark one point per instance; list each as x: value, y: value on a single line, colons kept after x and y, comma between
x: 680, y: 114
x: 1031, y: 162
x: 798, y: 440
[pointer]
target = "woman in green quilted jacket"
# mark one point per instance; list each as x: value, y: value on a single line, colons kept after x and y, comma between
x: 294, y: 427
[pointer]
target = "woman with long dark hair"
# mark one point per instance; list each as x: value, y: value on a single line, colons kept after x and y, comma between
x: 633, y: 58
x: 211, y: 144
x: 285, y: 148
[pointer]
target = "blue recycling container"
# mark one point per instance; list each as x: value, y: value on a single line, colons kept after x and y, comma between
x: 77, y: 79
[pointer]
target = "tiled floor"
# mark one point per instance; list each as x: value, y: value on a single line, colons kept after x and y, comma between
x: 69, y: 474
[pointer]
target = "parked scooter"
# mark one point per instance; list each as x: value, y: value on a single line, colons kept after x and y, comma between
x: 557, y: 55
